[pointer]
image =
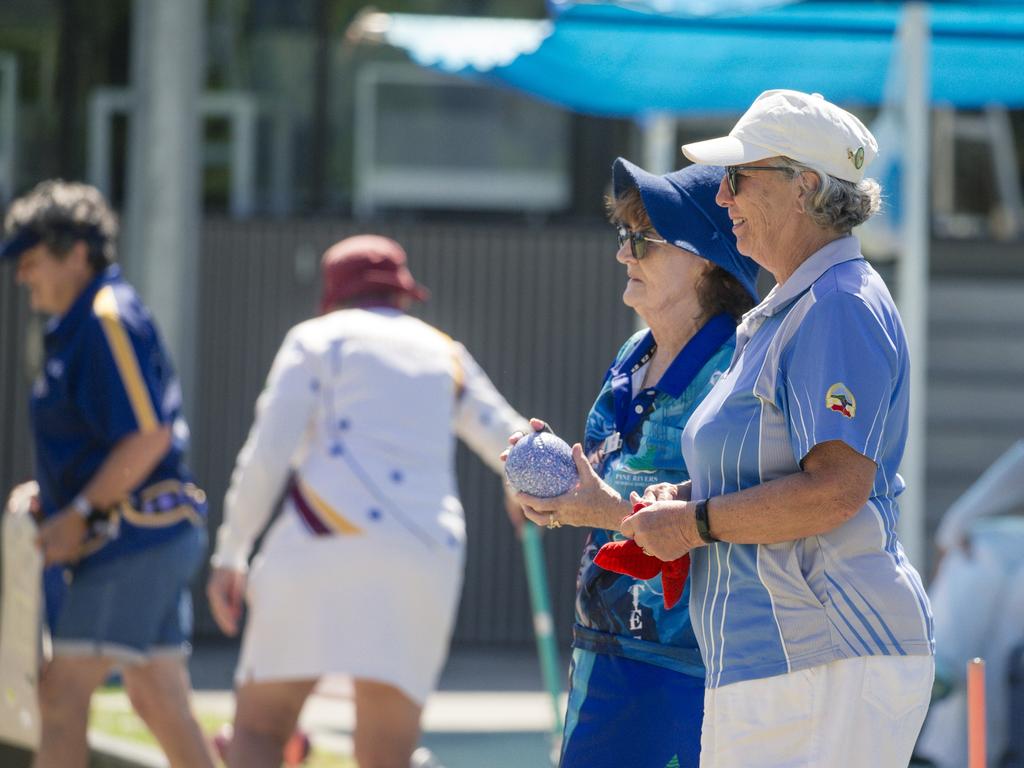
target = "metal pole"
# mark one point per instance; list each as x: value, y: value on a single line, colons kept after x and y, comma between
x: 544, y: 630
x: 661, y: 155
x: 8, y: 125
x: 163, y: 206
x: 912, y: 270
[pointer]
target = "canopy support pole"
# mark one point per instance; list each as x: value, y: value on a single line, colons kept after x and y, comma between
x: 163, y: 206
x: 913, y: 271
x: 660, y: 153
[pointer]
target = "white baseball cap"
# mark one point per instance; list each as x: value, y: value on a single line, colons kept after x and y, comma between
x: 801, y: 126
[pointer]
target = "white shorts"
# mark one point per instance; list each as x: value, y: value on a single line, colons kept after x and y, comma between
x: 337, y: 607
x: 864, y: 712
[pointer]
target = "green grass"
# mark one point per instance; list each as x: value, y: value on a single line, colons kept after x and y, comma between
x: 116, y: 718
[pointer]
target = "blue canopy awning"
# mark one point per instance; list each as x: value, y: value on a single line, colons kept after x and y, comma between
x: 612, y: 60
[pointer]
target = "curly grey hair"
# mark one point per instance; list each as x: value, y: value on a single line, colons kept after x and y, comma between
x: 64, y: 212
x: 839, y: 204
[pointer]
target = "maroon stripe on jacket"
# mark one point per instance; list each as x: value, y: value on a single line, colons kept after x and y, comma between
x: 315, y: 525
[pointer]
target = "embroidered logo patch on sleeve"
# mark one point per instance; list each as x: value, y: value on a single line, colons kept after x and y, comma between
x: 841, y: 400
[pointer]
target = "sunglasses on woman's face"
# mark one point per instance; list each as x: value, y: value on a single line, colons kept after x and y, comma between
x: 732, y: 173
x: 637, y: 241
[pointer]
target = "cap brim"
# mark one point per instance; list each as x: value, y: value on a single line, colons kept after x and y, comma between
x: 18, y: 243
x: 725, y: 150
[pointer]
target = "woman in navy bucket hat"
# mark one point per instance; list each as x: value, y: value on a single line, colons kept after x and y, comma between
x: 637, y: 679
x: 682, y: 210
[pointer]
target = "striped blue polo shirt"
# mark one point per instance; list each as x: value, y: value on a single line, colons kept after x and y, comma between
x: 822, y: 358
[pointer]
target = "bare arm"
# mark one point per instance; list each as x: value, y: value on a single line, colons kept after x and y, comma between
x: 833, y: 485
x: 126, y: 466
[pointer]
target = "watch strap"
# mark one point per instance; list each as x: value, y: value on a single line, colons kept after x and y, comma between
x: 703, y: 524
x: 82, y: 506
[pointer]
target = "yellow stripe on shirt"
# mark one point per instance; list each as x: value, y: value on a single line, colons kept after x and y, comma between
x: 105, y: 308
x: 458, y: 374
x: 189, y: 495
x: 328, y: 515
x: 168, y: 517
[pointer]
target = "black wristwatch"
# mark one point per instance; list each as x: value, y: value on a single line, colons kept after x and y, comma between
x: 703, y: 524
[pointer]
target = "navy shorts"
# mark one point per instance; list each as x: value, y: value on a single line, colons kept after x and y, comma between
x: 134, y: 607
x: 624, y: 712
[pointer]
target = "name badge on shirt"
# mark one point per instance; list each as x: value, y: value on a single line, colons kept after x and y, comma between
x: 611, y: 444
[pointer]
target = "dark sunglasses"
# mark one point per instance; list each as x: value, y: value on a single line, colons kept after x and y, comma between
x: 637, y: 241
x: 732, y: 173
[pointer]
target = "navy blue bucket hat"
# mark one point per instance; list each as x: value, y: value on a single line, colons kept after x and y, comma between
x: 681, y: 206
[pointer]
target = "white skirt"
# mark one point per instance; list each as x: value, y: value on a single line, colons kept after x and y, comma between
x: 337, y: 608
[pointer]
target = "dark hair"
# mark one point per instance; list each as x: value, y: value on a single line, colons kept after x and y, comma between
x: 628, y: 208
x: 717, y: 290
x: 63, y: 213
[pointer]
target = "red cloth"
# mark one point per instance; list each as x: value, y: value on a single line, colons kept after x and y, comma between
x: 627, y: 558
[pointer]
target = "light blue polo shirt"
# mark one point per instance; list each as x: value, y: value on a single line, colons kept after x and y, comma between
x: 822, y: 358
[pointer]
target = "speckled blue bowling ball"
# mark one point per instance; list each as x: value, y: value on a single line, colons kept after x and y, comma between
x: 541, y: 465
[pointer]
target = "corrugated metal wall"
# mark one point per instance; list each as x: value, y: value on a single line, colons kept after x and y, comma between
x: 976, y: 370
x: 540, y: 309
x: 15, y: 379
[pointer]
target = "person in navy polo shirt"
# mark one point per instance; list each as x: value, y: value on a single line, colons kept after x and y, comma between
x: 637, y: 679
x: 123, y: 527
x: 814, y: 627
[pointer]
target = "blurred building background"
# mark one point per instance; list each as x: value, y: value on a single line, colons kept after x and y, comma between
x: 308, y: 136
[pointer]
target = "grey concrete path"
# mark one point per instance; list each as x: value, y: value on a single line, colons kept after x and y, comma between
x: 491, y: 710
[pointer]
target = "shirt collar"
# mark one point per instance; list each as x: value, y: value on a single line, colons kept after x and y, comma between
x: 82, y: 305
x: 635, y: 358
x: 695, y: 354
x: 846, y: 248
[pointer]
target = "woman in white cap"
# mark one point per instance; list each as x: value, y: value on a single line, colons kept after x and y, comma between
x: 359, y: 577
x: 814, y: 627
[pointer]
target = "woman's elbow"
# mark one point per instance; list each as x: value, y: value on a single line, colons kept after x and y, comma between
x: 159, y: 440
x: 844, y: 479
x: 852, y: 503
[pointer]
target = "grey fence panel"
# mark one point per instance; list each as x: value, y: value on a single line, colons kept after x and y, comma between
x: 975, y: 368
x: 15, y: 378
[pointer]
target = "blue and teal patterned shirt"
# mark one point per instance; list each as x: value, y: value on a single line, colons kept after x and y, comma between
x: 633, y: 439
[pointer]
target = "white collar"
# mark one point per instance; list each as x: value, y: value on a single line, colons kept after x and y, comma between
x: 846, y: 248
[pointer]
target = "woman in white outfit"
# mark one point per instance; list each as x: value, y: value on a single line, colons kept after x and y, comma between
x: 360, y: 575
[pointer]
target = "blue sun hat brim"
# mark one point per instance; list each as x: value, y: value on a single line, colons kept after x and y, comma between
x: 681, y: 206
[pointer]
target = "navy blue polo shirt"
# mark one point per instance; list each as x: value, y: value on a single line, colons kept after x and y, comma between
x: 106, y: 375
